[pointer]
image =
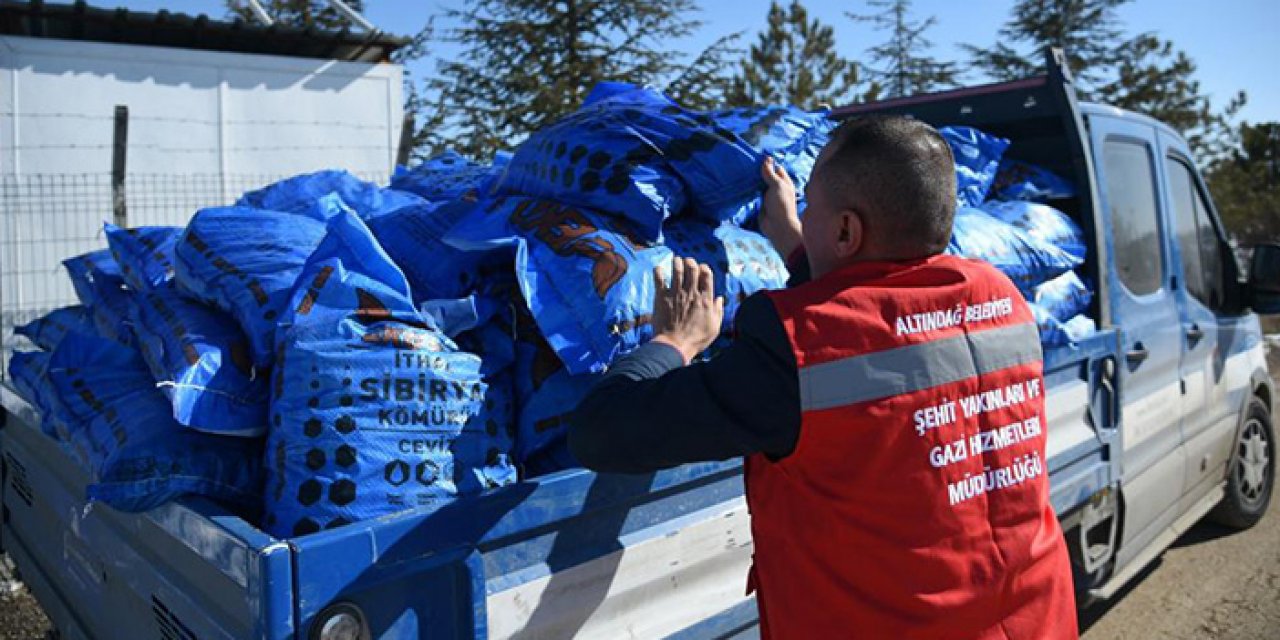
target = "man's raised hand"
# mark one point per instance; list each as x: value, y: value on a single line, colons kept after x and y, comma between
x: 686, y: 313
x: 779, y: 221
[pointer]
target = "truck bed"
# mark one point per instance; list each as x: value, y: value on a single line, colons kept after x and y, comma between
x: 601, y: 555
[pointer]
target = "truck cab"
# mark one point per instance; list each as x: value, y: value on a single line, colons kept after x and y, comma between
x: 1159, y: 418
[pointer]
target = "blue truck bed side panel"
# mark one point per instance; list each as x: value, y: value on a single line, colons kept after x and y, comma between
x: 187, y: 568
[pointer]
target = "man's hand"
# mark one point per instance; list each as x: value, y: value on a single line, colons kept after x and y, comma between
x: 778, y: 219
x: 686, y: 314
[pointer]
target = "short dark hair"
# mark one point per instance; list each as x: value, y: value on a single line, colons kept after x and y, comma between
x: 898, y: 173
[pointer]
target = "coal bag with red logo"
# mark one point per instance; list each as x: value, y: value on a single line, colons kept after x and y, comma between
x: 368, y: 396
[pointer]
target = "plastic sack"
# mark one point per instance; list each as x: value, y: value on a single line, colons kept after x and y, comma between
x: 29, y: 372
x: 589, y: 285
x: 546, y: 396
x: 100, y: 287
x: 1064, y: 297
x: 792, y: 137
x: 1042, y: 222
x: 413, y: 237
x: 246, y: 262
x: 89, y: 269
x: 144, y: 254
x: 449, y: 176
x: 86, y: 372
x: 121, y: 431
x: 48, y: 330
x: 483, y: 449
x: 1017, y: 180
x: 201, y: 360
x: 300, y: 193
x: 607, y: 156
x: 977, y: 157
x: 1057, y: 333
x: 160, y: 460
x: 742, y: 262
x: 367, y: 398
x: 1027, y: 261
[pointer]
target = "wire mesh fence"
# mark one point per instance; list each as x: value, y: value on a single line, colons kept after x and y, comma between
x: 45, y: 219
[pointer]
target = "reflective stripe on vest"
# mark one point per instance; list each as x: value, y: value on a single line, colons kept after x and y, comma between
x: 918, y: 366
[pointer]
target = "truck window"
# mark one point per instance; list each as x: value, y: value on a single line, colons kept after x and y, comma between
x: 1197, y: 239
x: 1131, y: 195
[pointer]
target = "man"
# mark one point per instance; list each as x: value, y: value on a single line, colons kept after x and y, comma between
x: 890, y: 410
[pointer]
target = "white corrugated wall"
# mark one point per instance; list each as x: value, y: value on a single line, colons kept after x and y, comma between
x: 203, y: 127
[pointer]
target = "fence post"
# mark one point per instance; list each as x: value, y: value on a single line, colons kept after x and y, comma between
x: 120, y: 147
x: 406, y: 142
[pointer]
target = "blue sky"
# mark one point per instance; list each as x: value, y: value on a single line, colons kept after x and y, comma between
x: 1232, y: 41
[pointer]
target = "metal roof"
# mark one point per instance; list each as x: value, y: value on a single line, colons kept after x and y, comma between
x: 79, y: 21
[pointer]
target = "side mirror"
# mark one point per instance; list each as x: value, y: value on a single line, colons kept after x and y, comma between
x: 1264, y: 279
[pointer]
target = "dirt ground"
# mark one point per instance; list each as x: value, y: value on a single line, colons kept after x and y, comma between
x: 1213, y: 583
x: 20, y: 616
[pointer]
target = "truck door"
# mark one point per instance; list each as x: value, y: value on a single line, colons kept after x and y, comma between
x: 1145, y: 309
x: 1208, y: 419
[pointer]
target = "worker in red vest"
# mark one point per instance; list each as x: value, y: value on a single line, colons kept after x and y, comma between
x: 890, y: 409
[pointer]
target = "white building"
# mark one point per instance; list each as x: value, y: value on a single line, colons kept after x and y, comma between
x: 214, y: 108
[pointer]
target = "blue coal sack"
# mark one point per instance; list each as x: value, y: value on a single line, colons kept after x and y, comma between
x: 449, y: 176
x: 1027, y: 261
x: 29, y: 372
x: 792, y: 137
x: 121, y: 430
x: 414, y: 239
x: 99, y: 285
x: 1064, y: 297
x: 588, y: 283
x: 609, y: 156
x: 1018, y: 180
x: 742, y: 262
x: 483, y: 449
x: 246, y: 262
x: 201, y: 361
x: 1042, y: 222
x: 1057, y: 333
x: 977, y: 157
x: 368, y: 396
x: 48, y: 330
x: 300, y: 193
x: 546, y: 396
x: 144, y: 254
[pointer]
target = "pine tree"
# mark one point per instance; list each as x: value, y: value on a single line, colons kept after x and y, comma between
x: 706, y: 83
x: 1246, y: 185
x: 903, y: 67
x: 427, y: 116
x: 795, y: 62
x: 1152, y: 77
x: 297, y: 13
x: 526, y: 63
x: 1088, y: 32
x: 1142, y: 73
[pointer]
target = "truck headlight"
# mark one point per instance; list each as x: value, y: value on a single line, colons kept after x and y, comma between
x: 341, y: 621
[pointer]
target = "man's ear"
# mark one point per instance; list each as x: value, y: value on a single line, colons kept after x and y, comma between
x: 849, y: 233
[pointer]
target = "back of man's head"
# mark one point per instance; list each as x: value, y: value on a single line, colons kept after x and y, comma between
x: 899, y: 176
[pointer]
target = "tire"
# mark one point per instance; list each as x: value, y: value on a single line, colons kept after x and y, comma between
x: 1251, y: 474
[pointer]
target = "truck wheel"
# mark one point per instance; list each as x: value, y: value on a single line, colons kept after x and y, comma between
x: 1252, y: 473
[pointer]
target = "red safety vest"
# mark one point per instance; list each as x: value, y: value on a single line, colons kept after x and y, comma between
x: 916, y: 502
